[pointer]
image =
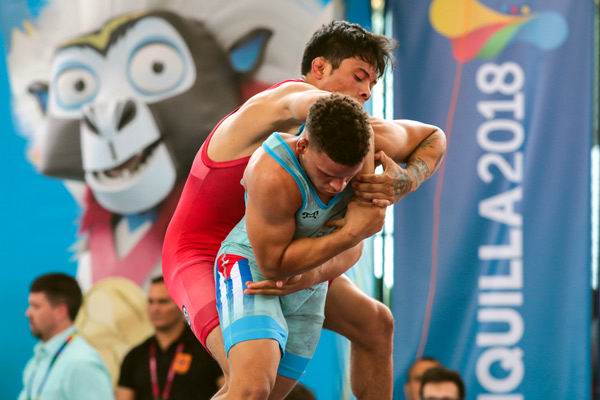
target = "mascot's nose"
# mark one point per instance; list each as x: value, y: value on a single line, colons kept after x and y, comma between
x: 109, y: 118
x: 127, y: 114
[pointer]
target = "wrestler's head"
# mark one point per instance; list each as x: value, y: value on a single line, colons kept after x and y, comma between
x: 163, y: 312
x: 336, y: 142
x: 345, y: 58
x: 54, y: 301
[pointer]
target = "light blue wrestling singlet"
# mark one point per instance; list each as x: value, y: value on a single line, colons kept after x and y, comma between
x: 295, y: 320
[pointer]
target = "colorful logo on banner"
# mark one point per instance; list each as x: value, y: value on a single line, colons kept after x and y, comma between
x: 477, y: 31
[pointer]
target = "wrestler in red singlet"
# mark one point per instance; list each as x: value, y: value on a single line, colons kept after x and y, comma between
x: 211, y: 204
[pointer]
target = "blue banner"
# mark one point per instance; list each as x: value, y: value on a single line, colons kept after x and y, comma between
x: 492, y: 256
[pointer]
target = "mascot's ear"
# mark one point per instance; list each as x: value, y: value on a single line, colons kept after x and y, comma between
x: 247, y: 53
x: 40, y: 91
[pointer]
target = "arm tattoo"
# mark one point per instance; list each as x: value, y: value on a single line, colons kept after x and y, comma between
x: 431, y: 143
x: 402, y: 184
x: 421, y: 170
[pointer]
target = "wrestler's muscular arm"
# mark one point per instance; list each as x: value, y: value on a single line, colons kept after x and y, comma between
x: 421, y: 146
x: 282, y: 109
x: 271, y: 204
x: 323, y: 273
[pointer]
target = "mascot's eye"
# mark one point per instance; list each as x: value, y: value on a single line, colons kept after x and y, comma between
x: 156, y: 68
x: 75, y: 87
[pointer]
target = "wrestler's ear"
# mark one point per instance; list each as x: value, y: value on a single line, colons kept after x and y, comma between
x: 302, y: 145
x: 318, y: 67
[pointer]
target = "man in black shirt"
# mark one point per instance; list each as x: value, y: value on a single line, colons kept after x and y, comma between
x: 171, y: 364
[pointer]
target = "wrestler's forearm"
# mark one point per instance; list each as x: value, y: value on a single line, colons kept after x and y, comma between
x: 338, y: 264
x: 424, y: 161
x: 305, y: 254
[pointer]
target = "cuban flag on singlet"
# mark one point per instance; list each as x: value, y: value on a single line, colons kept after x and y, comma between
x: 232, y: 274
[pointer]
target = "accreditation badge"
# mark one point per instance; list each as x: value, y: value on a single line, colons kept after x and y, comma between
x: 182, y: 363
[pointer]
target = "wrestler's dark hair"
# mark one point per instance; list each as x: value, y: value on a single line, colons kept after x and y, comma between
x: 339, y: 40
x: 441, y: 374
x: 339, y: 127
x: 59, y: 289
x: 157, y: 279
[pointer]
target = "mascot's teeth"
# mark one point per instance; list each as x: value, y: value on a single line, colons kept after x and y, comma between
x: 127, y: 170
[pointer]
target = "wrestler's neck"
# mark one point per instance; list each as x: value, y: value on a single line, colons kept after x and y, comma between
x: 309, y: 78
x: 167, y: 335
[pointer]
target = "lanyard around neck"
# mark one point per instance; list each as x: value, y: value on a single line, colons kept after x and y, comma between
x: 52, y: 362
x: 170, y: 376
